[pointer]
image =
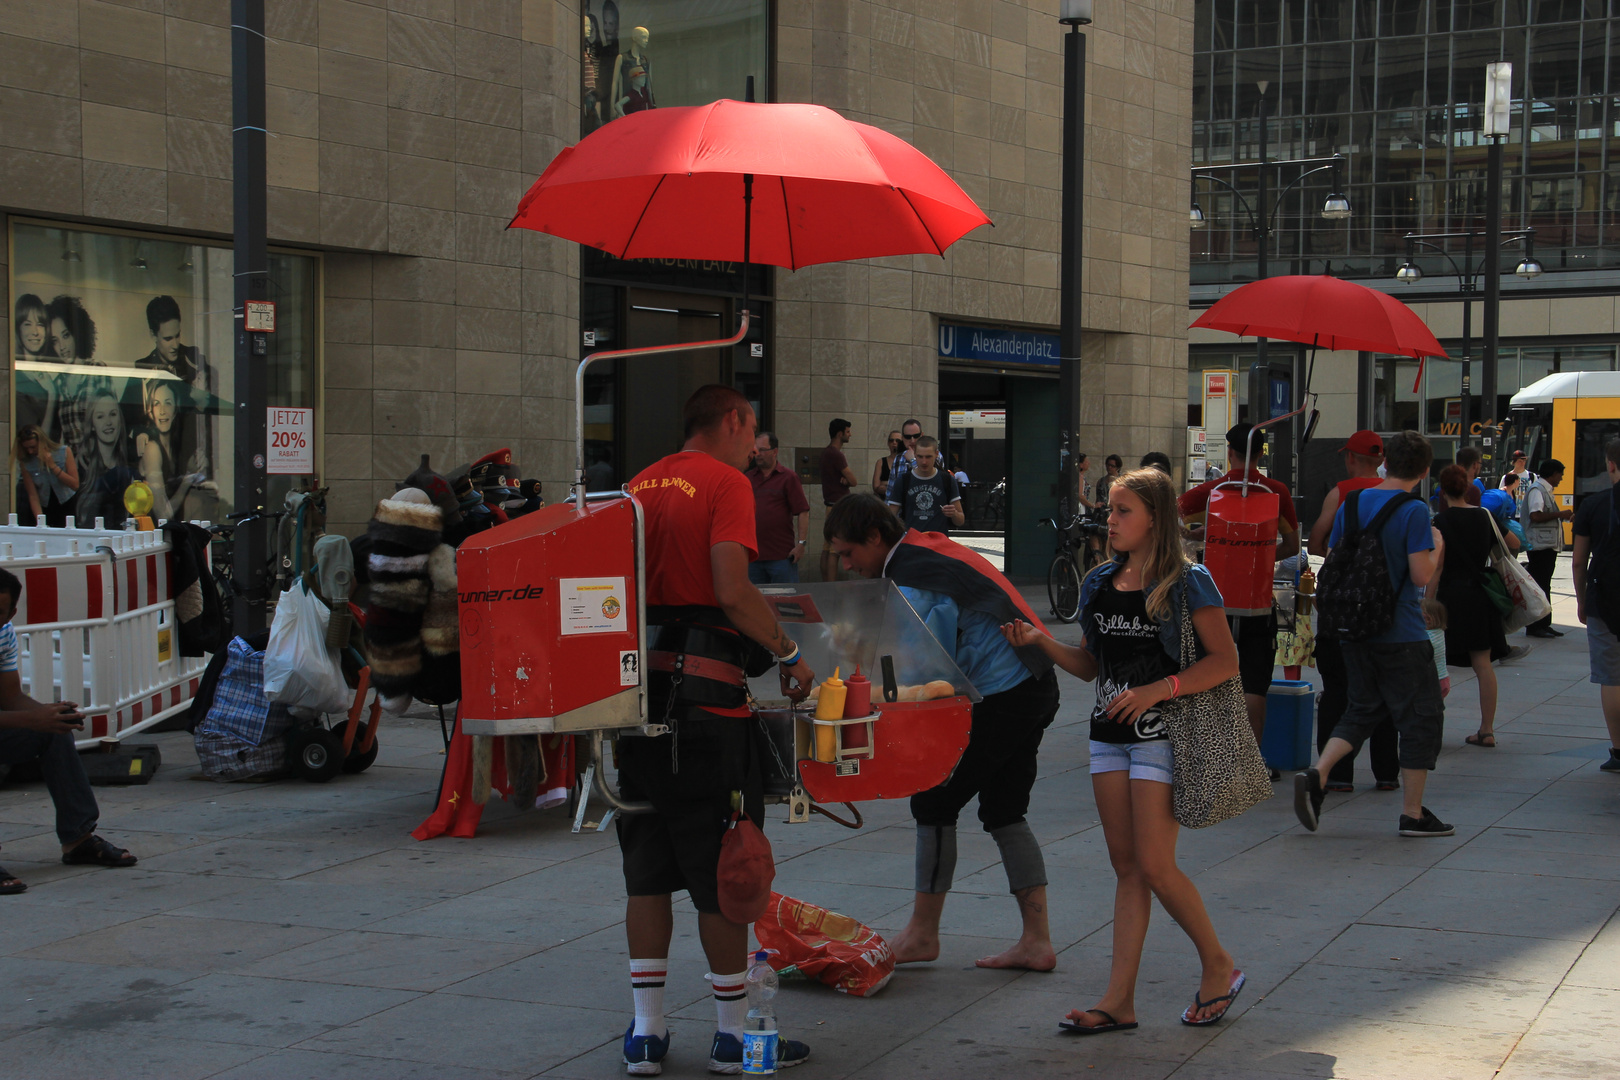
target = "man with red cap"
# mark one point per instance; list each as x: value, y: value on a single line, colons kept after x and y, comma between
x: 1363, y: 453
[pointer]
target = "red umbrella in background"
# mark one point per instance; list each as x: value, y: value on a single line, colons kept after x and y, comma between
x: 1324, y: 312
x: 785, y: 184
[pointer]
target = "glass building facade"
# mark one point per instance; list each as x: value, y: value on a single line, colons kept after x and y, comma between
x: 1397, y: 87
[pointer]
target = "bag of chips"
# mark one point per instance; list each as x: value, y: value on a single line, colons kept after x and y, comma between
x: 823, y: 945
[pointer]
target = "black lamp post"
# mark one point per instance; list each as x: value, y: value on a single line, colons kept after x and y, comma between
x: 1074, y: 14
x: 252, y: 283
x: 1468, y: 273
x: 1498, y: 121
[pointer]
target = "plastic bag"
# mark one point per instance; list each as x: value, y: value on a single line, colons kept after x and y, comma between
x: 299, y: 670
x: 825, y: 946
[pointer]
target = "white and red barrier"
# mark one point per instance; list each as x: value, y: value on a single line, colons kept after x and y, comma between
x: 96, y: 625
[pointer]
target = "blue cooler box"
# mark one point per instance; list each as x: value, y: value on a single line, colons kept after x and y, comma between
x: 1289, y: 743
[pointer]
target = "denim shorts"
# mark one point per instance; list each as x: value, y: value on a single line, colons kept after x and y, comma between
x: 1145, y: 760
x: 1604, y: 648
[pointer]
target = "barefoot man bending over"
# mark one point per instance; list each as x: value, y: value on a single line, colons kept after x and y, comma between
x: 964, y: 601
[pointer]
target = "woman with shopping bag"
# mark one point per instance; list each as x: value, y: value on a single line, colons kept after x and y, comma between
x: 1170, y: 738
x: 1474, y: 633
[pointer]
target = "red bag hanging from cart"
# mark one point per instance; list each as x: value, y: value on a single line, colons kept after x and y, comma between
x: 825, y: 946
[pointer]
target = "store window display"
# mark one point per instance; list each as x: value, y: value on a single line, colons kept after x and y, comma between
x: 705, y: 52
x: 112, y: 337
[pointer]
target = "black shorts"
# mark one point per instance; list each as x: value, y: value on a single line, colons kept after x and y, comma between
x: 1000, y: 762
x: 1257, y: 652
x: 677, y: 848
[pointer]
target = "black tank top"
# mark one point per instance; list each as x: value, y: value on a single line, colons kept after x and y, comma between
x: 1129, y: 653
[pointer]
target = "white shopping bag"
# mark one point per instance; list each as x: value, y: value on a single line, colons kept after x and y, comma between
x: 299, y: 670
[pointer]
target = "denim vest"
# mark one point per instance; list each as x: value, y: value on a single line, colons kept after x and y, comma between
x: 1197, y: 578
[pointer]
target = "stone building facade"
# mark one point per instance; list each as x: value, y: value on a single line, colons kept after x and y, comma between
x: 403, y: 133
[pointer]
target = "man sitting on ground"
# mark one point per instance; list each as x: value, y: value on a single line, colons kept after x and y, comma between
x: 30, y: 731
x: 965, y: 602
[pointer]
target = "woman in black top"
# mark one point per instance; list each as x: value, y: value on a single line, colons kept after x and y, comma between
x: 885, y: 466
x: 1131, y: 612
x: 1474, y: 634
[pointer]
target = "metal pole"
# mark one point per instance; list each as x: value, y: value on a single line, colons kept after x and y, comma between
x: 1260, y: 240
x: 1493, y: 281
x: 1463, y: 418
x: 252, y: 283
x: 1070, y: 302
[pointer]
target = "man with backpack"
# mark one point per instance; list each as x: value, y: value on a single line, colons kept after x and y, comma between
x: 1382, y: 551
x: 1596, y: 566
x: 1544, y: 525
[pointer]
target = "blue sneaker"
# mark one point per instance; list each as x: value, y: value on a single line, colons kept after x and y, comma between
x: 644, y: 1054
x: 726, y: 1056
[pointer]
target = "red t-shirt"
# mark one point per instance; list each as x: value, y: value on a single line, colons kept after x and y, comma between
x: 1195, y: 503
x: 833, y: 485
x: 778, y: 499
x: 692, y: 502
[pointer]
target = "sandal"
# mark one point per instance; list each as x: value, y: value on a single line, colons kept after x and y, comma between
x: 1486, y: 739
x: 10, y: 884
x: 1238, y: 979
x: 1076, y: 1028
x: 94, y: 851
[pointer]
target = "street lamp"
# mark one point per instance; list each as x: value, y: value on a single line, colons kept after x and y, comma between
x: 1498, y: 121
x: 1262, y: 216
x: 1467, y: 273
x: 1074, y: 14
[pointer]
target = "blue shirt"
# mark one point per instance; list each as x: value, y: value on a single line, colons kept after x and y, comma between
x: 1199, y: 586
x: 973, y: 639
x: 1405, y: 533
x: 8, y: 648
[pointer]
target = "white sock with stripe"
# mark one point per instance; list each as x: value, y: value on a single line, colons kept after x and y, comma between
x: 647, y: 984
x: 730, y: 1002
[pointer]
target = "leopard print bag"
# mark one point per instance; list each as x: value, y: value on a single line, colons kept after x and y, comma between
x: 1216, y: 768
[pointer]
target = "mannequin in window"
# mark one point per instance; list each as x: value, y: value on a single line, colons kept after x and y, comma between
x: 604, y: 50
x: 632, y: 76
x: 590, y: 68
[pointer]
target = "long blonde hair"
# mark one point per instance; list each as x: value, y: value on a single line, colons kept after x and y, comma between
x: 1165, y: 561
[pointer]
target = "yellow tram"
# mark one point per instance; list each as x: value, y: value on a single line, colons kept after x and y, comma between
x: 1569, y: 415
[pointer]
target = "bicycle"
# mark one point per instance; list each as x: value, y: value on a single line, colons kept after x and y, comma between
x: 1074, y: 560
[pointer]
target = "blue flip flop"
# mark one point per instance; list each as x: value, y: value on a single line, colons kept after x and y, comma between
x: 1238, y: 979
x: 1088, y: 1029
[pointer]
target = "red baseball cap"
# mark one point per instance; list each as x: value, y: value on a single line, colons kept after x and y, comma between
x: 1365, y: 443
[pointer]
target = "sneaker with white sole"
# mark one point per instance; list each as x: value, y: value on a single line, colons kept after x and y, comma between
x: 1427, y: 825
x: 644, y: 1054
x: 726, y: 1056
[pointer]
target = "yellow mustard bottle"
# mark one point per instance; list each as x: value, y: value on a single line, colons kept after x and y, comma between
x: 830, y: 706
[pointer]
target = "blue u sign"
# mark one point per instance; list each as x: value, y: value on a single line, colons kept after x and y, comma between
x: 957, y: 342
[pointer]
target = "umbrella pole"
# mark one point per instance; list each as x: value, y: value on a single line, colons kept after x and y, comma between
x: 619, y: 354
x: 748, y: 234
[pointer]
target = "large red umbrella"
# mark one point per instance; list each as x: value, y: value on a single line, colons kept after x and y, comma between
x: 671, y: 184
x: 1324, y: 312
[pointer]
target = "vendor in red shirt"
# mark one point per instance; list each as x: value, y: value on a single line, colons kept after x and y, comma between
x: 1363, y: 454
x: 781, y: 515
x: 1256, y: 634
x: 708, y: 625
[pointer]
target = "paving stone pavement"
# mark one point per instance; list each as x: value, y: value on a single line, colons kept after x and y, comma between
x: 293, y: 930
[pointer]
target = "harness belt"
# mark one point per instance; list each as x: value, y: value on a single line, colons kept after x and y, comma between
x: 702, y: 667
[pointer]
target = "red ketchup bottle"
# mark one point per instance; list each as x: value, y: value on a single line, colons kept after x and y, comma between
x: 857, y: 703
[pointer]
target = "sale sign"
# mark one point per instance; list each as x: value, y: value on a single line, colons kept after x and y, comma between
x: 291, y: 442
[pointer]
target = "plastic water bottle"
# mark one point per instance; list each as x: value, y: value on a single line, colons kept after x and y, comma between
x: 759, y: 1030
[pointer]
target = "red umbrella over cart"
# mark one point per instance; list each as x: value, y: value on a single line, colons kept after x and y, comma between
x: 553, y: 632
x: 1316, y: 310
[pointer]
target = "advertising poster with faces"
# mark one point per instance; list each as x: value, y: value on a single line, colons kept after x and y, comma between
x: 643, y: 54
x: 123, y: 360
